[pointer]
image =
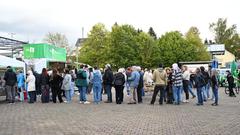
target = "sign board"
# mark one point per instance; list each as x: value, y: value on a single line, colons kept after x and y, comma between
x: 36, y: 51
x: 216, y: 49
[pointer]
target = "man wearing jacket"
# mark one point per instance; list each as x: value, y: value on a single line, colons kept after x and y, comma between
x: 134, y: 82
x: 81, y: 83
x: 160, y: 78
x: 11, y: 79
x: 107, y: 81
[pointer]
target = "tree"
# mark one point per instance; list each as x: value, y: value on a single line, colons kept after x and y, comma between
x: 123, y: 46
x: 95, y: 48
x: 57, y: 39
x: 152, y: 33
x: 193, y: 37
x: 221, y: 31
x: 147, y: 50
x: 174, y: 48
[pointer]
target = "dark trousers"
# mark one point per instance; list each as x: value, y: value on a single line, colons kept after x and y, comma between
x: 109, y: 92
x: 139, y: 94
x: 11, y: 91
x: 56, y: 92
x: 38, y: 89
x: 89, y: 88
x: 158, y: 88
x: 200, y: 95
x: 45, y: 93
x: 31, y: 94
x: 231, y: 92
x: 119, y: 93
x: 169, y: 94
x: 185, y: 88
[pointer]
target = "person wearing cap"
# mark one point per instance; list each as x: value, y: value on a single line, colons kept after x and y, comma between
x: 107, y: 81
x: 134, y: 82
x: 119, y: 81
x: 11, y: 79
x: 160, y: 79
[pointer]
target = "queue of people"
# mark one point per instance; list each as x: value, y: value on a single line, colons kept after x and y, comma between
x: 170, y: 82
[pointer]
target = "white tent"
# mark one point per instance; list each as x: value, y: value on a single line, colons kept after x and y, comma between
x: 6, y: 61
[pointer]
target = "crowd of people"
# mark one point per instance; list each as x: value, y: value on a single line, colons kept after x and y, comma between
x: 131, y: 83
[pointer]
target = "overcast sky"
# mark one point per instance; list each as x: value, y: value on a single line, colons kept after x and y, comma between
x: 30, y: 20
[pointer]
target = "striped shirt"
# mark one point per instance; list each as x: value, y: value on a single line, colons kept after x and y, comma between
x: 177, y: 78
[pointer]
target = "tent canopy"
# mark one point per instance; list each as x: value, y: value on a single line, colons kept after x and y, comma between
x: 6, y: 61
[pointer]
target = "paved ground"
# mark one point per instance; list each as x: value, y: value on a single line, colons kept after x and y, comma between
x: 108, y: 119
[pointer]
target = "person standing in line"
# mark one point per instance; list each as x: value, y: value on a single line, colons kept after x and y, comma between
x: 90, y: 85
x: 140, y: 85
x: 119, y: 81
x: 37, y: 83
x: 177, y: 83
x: 66, y: 85
x: 134, y: 82
x: 56, y: 83
x: 81, y: 83
x: 10, y: 78
x: 190, y: 86
x: 97, y: 85
x: 160, y: 78
x: 169, y: 89
x: 108, y: 80
x: 128, y: 75
x: 199, y: 84
x: 73, y: 75
x: 44, y: 83
x: 214, y: 82
x: 31, y: 86
x: 186, y: 79
x: 21, y: 84
x: 206, y: 80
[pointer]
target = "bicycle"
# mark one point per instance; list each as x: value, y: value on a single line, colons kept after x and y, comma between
x: 236, y: 88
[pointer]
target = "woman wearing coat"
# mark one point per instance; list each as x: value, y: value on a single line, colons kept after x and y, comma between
x: 66, y: 85
x: 31, y: 86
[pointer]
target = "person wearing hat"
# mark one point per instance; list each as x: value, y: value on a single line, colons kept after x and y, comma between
x: 160, y: 79
x: 11, y: 79
x: 107, y: 81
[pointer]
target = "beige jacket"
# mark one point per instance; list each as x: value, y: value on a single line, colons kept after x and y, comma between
x: 160, y: 77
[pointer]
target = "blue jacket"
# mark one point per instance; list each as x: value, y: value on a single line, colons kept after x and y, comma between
x: 20, y: 80
x: 134, y: 79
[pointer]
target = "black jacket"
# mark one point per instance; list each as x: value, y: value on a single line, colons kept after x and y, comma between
x: 56, y: 81
x: 230, y: 80
x: 108, y: 77
x: 10, y: 77
x: 44, y: 80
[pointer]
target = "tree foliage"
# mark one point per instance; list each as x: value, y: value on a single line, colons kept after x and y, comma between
x: 125, y: 46
x: 193, y: 37
x: 152, y: 33
x: 226, y: 35
x: 57, y: 39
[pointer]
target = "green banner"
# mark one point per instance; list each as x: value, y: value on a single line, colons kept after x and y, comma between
x: 32, y: 51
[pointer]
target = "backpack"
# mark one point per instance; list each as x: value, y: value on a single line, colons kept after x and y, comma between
x: 81, y: 76
x: 119, y: 79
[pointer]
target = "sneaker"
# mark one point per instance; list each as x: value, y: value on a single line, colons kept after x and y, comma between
x: 65, y: 101
x: 187, y: 101
x: 86, y: 102
x: 193, y: 97
x: 184, y: 101
x: 81, y: 102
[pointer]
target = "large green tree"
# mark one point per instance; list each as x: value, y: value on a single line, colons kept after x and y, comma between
x: 95, y: 48
x: 173, y: 47
x: 123, y: 46
x: 193, y: 37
